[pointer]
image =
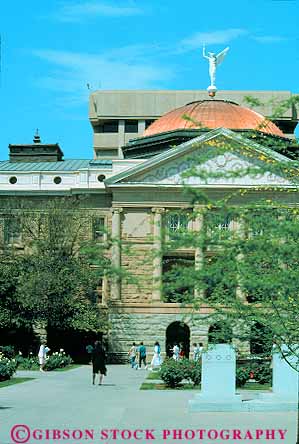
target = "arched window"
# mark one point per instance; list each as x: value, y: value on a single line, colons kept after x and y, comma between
x: 220, y: 333
x: 260, y: 339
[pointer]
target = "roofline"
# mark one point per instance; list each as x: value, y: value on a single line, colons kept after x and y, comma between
x: 173, y: 152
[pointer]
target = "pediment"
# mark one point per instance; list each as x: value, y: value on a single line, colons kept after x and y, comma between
x: 220, y: 158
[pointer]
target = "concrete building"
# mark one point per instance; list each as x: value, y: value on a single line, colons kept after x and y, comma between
x: 134, y: 186
x: 119, y: 116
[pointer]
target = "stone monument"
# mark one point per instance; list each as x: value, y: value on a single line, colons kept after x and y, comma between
x: 218, y: 381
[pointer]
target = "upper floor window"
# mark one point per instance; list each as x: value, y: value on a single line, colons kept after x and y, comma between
x: 98, y: 228
x: 148, y: 123
x: 12, y: 230
x: 177, y: 222
x: 217, y: 224
x: 108, y: 126
x: 131, y: 126
x: 223, y: 223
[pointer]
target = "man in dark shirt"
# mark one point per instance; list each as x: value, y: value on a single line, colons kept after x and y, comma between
x: 142, y: 355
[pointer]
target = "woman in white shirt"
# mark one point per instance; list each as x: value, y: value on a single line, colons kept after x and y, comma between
x: 42, y: 354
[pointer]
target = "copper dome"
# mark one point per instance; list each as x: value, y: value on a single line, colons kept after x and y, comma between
x: 213, y: 114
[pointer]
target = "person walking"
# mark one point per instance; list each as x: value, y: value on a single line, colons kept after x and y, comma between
x: 42, y: 355
x: 132, y: 355
x: 197, y: 351
x: 98, y: 359
x: 176, y: 352
x: 157, y: 360
x: 142, y: 355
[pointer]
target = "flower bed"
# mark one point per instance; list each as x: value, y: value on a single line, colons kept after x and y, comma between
x: 55, y: 360
x: 7, y: 367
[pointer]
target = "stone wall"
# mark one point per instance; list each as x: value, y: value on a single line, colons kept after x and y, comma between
x: 127, y: 327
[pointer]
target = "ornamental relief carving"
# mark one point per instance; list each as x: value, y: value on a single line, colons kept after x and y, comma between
x: 225, y: 163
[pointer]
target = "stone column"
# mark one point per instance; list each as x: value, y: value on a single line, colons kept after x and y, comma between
x: 141, y: 127
x: 198, y: 257
x: 121, y: 133
x: 157, y: 260
x: 238, y: 231
x: 116, y: 253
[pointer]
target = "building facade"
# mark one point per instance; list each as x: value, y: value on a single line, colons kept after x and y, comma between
x: 134, y: 186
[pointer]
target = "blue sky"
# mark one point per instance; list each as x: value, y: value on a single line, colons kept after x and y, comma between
x: 51, y: 49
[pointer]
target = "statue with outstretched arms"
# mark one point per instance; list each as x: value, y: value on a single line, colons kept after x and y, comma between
x: 214, y: 61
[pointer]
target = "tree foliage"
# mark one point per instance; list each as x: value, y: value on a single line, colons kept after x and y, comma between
x: 52, y: 280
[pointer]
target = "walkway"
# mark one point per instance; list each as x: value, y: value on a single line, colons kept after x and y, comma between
x: 64, y: 400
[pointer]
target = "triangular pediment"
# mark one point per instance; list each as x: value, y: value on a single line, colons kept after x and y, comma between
x: 220, y: 158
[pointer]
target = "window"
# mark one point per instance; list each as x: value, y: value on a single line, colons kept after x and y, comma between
x: 219, y: 276
x: 218, y: 226
x: 148, y: 123
x: 98, y: 228
x: 101, y: 177
x: 98, y: 293
x: 176, y: 222
x: 223, y: 223
x: 261, y: 339
x: 108, y: 126
x: 131, y: 126
x: 57, y: 180
x: 13, y: 180
x: 220, y: 333
x: 12, y: 230
x: 177, y: 285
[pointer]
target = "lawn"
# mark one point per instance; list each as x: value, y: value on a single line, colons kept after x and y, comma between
x: 190, y: 386
x: 153, y: 375
x: 162, y: 386
x: 14, y: 381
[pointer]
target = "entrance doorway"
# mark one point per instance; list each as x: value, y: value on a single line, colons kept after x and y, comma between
x: 177, y: 333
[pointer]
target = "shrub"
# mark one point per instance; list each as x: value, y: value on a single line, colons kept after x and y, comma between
x: 57, y: 360
x: 195, y: 372
x: 8, y: 351
x: 28, y: 363
x: 7, y: 367
x: 242, y: 375
x: 172, y: 372
x: 262, y: 372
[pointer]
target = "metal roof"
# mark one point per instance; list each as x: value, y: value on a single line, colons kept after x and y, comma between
x: 64, y: 165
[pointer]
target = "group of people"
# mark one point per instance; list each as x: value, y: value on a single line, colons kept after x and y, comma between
x: 137, y: 356
x: 178, y: 351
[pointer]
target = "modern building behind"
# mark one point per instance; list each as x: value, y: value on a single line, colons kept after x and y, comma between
x: 118, y: 116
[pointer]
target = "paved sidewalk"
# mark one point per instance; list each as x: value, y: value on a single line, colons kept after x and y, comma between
x: 64, y: 400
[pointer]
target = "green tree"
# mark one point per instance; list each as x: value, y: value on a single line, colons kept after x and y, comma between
x: 53, y: 280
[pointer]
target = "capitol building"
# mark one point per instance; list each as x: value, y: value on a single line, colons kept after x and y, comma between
x: 133, y: 184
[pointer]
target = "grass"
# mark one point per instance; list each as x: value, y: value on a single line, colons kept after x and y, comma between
x: 14, y: 381
x: 162, y: 386
x: 255, y: 386
x: 153, y: 375
x: 61, y: 369
x: 188, y: 386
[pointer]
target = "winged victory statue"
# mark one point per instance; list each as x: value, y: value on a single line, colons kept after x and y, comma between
x: 214, y: 61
